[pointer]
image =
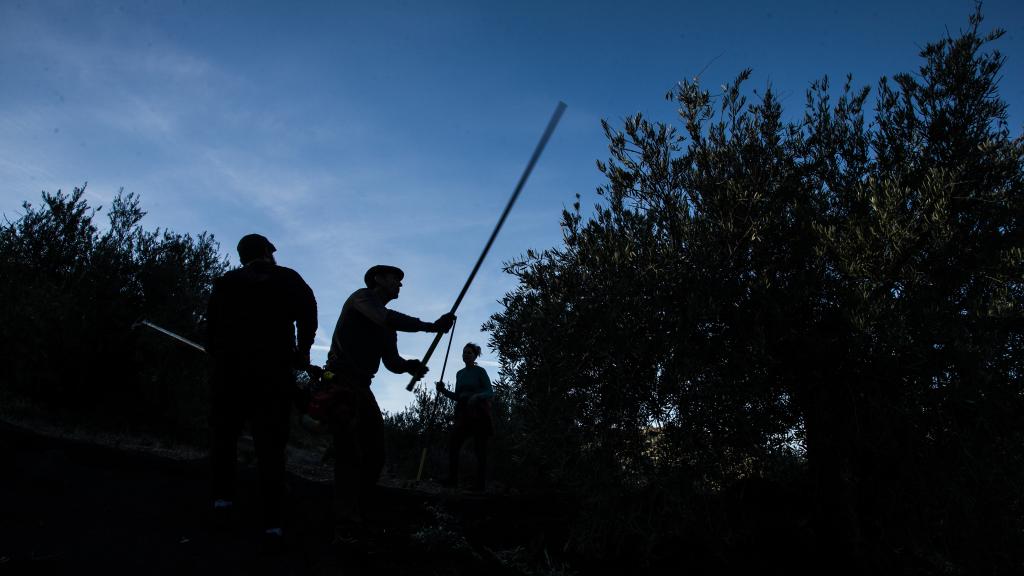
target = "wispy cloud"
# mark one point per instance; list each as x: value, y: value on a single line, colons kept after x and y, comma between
x: 210, y: 148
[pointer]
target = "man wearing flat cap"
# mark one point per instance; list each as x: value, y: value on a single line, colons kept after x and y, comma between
x: 366, y: 335
x: 261, y: 321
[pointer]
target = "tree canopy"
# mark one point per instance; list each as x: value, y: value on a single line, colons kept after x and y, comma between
x: 837, y: 297
x: 73, y: 293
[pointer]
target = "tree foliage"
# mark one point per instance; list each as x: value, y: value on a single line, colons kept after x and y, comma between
x: 72, y: 294
x: 839, y: 295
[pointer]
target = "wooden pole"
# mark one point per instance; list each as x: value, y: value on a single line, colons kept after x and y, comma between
x: 508, y: 208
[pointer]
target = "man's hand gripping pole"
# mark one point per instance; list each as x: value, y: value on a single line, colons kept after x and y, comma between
x: 519, y: 188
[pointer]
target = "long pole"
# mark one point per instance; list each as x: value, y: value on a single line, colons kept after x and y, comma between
x: 166, y: 332
x: 508, y: 208
x: 432, y: 414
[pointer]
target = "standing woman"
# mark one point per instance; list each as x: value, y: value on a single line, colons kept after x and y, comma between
x: 472, y: 396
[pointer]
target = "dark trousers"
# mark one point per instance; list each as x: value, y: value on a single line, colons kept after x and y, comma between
x: 464, y: 429
x: 260, y: 396
x: 358, y: 429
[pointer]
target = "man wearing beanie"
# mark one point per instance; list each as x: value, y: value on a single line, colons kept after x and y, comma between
x: 261, y: 321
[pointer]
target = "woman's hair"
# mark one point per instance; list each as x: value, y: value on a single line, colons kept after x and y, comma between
x: 476, y: 349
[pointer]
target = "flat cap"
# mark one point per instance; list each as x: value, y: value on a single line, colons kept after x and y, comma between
x: 381, y: 269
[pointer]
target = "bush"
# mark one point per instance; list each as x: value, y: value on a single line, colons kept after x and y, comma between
x: 72, y: 295
x: 834, y: 296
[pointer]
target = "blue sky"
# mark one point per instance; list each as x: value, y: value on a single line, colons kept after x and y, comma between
x: 356, y: 133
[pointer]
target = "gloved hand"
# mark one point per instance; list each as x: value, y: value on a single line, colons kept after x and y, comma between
x: 416, y: 368
x: 444, y: 323
x: 439, y: 385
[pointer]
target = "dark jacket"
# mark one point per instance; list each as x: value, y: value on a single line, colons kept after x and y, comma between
x: 255, y: 311
x: 472, y: 394
x: 366, y: 334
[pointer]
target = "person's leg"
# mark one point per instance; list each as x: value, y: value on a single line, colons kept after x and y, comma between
x: 373, y: 450
x: 480, y: 445
x: 458, y: 438
x: 270, y: 437
x: 348, y: 459
x: 225, y: 426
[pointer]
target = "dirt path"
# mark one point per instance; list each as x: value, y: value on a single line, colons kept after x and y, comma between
x: 69, y: 507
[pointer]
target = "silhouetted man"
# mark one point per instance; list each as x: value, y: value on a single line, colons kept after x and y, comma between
x: 364, y: 336
x: 253, y: 316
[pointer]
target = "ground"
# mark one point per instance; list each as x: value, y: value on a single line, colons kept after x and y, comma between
x: 71, y: 506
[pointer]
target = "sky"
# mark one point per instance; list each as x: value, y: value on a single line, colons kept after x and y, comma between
x: 394, y: 132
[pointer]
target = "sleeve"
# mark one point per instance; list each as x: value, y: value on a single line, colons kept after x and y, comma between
x: 369, y: 306
x: 485, y: 381
x: 392, y: 361
x: 403, y: 323
x: 305, y: 314
x: 215, y: 318
x: 449, y: 394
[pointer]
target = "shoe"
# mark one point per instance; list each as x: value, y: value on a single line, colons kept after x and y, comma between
x: 272, y: 542
x: 348, y: 538
x: 222, y: 516
x: 345, y: 541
